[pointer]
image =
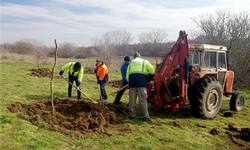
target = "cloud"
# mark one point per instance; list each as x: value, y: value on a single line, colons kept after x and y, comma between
x: 77, y: 21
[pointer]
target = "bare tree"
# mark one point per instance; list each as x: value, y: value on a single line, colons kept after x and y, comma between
x: 117, y: 37
x: 107, y: 52
x: 34, y: 42
x: 37, y: 46
x: 80, y: 52
x: 22, y: 48
x: 143, y: 38
x: 153, y: 36
x: 196, y: 37
x: 224, y: 27
x: 66, y: 50
x: 159, y: 35
x: 95, y: 41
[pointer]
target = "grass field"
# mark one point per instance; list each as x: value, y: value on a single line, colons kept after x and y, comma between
x: 167, y: 130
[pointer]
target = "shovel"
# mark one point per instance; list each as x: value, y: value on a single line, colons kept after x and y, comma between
x: 79, y: 90
x: 100, y: 94
x: 120, y: 89
x: 125, y: 106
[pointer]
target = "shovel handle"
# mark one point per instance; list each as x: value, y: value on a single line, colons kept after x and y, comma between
x: 120, y: 89
x: 126, y: 105
x: 99, y: 86
x: 77, y: 89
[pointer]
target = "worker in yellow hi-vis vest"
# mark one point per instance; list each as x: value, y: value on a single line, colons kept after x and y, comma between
x: 137, y: 76
x: 75, y: 74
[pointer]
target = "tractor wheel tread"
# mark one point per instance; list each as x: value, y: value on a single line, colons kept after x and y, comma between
x: 233, y: 101
x: 199, y: 93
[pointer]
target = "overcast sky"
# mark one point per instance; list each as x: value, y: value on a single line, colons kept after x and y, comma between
x: 77, y: 21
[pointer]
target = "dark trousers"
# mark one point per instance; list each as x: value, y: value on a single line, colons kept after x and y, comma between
x: 103, y: 91
x: 120, y: 93
x: 71, y: 80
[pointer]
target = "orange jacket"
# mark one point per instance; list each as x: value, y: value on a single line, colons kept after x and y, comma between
x: 102, y: 71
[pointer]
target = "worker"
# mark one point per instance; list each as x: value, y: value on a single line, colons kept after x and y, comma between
x: 75, y: 74
x: 124, y: 80
x: 137, y: 76
x: 102, y: 77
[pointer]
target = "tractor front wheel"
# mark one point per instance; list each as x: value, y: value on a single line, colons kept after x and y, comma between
x: 207, y: 98
x: 237, y: 101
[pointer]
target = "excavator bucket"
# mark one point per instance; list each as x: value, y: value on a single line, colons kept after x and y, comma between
x: 169, y: 90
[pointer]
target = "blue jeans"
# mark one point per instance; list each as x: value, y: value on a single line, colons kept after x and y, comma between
x: 71, y: 80
x: 103, y: 91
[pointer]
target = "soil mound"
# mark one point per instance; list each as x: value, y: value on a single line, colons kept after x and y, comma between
x: 115, y: 83
x: 228, y: 114
x: 42, y: 72
x: 72, y: 116
x: 91, y: 71
x: 243, y: 133
x: 214, y: 131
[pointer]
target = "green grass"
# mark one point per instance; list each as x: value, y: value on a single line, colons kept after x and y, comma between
x: 187, y: 133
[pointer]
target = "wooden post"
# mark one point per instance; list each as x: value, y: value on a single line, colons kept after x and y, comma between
x: 51, y: 82
x: 38, y: 59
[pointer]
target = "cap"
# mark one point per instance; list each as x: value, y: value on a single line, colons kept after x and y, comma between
x: 99, y: 60
x: 137, y: 55
x: 126, y: 58
x: 77, y: 65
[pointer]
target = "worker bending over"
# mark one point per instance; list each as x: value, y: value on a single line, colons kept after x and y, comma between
x: 75, y: 74
x: 124, y: 80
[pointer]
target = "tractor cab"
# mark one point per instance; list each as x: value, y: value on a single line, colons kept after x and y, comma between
x: 209, y: 60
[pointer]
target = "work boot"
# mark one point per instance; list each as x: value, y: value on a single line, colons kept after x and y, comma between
x: 130, y: 117
x: 117, y: 103
x: 146, y: 119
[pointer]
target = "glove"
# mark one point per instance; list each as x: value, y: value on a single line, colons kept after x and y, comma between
x: 95, y: 70
x: 98, y: 81
x: 61, y: 73
x: 78, y: 88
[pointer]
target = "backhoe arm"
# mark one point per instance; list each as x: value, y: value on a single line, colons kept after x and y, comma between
x: 178, y: 55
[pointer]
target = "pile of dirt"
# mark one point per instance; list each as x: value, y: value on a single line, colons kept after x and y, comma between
x: 42, y: 72
x: 228, y: 114
x: 243, y: 133
x: 72, y: 116
x: 115, y: 83
x: 91, y: 71
x: 214, y: 131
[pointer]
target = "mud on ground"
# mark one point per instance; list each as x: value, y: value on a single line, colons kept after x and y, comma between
x: 42, y: 72
x: 46, y: 72
x: 91, y: 71
x: 115, y: 83
x: 74, y: 117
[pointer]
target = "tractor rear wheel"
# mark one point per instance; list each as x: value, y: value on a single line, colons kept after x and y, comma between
x: 237, y: 101
x: 207, y: 98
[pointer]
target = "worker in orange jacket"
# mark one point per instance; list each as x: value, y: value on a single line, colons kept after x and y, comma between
x: 102, y: 77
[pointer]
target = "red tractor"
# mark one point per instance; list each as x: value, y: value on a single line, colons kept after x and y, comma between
x: 193, y: 74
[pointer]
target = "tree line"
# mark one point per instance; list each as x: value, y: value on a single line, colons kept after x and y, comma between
x: 221, y: 27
